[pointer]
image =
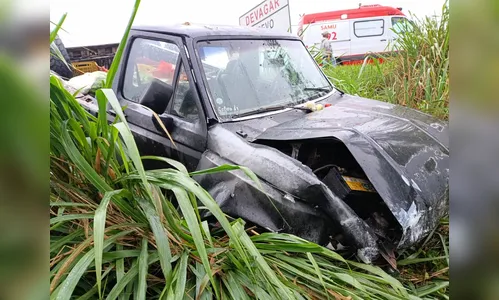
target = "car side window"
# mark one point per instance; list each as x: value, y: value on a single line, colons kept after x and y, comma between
x: 369, y: 28
x: 149, y: 59
x: 184, y: 99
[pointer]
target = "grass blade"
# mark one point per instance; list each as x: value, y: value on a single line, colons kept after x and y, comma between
x: 127, y: 136
x: 71, y: 217
x: 158, y: 119
x: 177, y: 165
x: 160, y: 236
x: 444, y: 245
x: 91, y: 293
x: 53, y: 33
x: 99, y: 228
x: 128, y: 278
x: 411, y: 261
x: 181, y: 276
x: 206, y: 231
x: 143, y: 266
x: 81, y: 163
x: 427, y: 290
x: 55, y: 246
x: 319, y: 273
x: 69, y: 284
x: 396, y: 285
x: 192, y: 222
x: 119, y: 53
x: 234, y: 287
x: 262, y: 264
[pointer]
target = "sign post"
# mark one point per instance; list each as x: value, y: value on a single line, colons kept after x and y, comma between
x: 272, y: 14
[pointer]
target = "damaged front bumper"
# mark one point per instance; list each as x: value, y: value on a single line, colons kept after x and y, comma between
x: 279, y: 211
x: 293, y: 199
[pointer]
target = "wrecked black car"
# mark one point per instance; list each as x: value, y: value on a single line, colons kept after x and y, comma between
x: 334, y: 167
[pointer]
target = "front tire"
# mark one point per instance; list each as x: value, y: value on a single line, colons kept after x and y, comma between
x: 56, y: 64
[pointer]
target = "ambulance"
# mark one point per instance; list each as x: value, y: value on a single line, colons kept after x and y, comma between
x: 354, y: 33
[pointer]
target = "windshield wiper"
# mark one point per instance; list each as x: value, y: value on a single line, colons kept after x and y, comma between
x: 260, y: 110
x: 284, y: 106
x: 324, y: 89
x: 268, y: 109
x: 320, y: 89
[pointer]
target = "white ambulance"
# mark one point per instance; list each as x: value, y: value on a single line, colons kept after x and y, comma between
x: 354, y: 33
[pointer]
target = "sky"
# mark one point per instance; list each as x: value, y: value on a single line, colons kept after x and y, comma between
x: 93, y: 22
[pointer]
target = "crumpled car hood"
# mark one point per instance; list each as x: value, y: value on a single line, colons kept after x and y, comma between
x: 403, y: 152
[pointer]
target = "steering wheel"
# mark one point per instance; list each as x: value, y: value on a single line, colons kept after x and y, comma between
x: 273, y: 88
x: 275, y: 85
x: 221, y: 86
x: 219, y: 75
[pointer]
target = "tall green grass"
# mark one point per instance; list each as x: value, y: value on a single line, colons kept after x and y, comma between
x: 115, y: 232
x: 417, y: 77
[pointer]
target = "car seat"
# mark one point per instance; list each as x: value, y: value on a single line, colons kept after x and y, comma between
x: 188, y: 108
x: 237, y: 85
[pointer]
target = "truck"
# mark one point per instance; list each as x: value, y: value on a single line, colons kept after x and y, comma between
x: 335, y: 169
x: 92, y: 57
x: 82, y: 59
x: 355, y: 33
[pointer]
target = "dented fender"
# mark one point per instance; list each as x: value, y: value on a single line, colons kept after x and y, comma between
x: 290, y: 185
x: 406, y: 159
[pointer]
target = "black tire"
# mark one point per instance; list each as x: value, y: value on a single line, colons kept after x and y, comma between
x: 56, y: 64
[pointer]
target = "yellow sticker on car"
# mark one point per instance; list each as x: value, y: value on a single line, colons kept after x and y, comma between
x: 357, y: 184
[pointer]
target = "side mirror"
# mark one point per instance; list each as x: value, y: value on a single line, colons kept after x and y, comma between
x: 157, y: 95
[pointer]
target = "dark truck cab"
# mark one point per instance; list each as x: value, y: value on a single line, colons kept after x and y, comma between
x: 334, y: 167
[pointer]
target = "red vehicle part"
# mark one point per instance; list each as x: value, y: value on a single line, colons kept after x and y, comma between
x: 365, y: 11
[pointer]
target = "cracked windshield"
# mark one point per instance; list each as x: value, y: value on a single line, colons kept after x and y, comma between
x: 246, y: 77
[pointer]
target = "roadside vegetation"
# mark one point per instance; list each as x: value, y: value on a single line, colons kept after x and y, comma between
x: 418, y: 77
x: 116, y: 232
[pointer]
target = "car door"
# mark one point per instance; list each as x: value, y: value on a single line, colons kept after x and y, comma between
x: 154, y: 56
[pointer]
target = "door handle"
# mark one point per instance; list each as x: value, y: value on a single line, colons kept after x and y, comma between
x: 383, y: 40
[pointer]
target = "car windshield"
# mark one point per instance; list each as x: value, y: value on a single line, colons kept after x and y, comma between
x: 401, y: 24
x: 246, y: 77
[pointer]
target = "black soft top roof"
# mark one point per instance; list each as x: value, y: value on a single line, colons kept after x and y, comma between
x: 201, y: 30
